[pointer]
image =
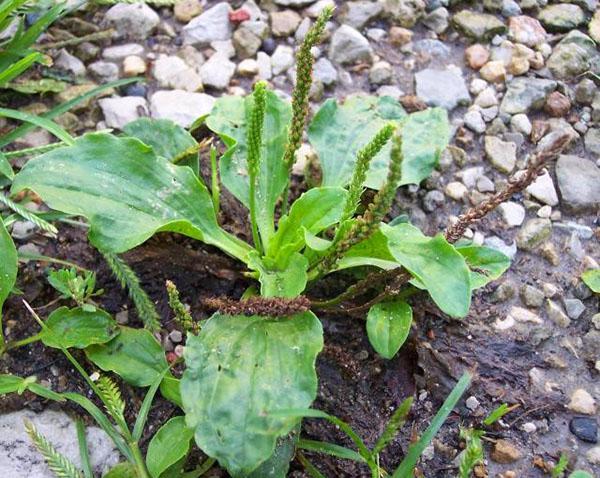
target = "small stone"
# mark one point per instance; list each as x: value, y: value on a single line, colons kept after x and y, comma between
x: 506, y: 324
x: 217, y: 71
x: 264, y: 66
x: 585, y: 91
x: 479, y: 26
x: 173, y: 72
x: 284, y: 23
x: 132, y: 20
x: 521, y: 124
x: 118, y: 52
x: 509, y: 250
x: 405, y: 12
x: 437, y: 20
x: 474, y: 121
x: 212, y: 25
x: 556, y: 314
x: 504, y: 292
x: 512, y: 213
x: 525, y: 94
x: 360, y: 13
x: 348, y: 45
x: 104, y: 71
x: 574, y: 308
x: 476, y: 56
x: 584, y: 428
x: 543, y: 189
x: 523, y: 315
x: 572, y: 56
x: 175, y: 336
x: 557, y: 105
x: 133, y: 66
x: 432, y: 200
x: 594, y: 27
x: 533, y: 233
x: 69, y: 63
x: 486, y: 98
x: 122, y: 317
x: 445, y: 88
x: 526, y: 30
x: 518, y: 66
x: 22, y: 230
x: 185, y: 10
x: 456, y: 190
x: 505, y: 452
x: 472, y: 403
x: 529, y: 427
x: 531, y: 296
x: 561, y: 17
x: 579, y: 182
x: 593, y: 454
x: 485, y: 185
x: 248, y: 67
x: 493, y: 71
x: 120, y: 111
x: 246, y: 42
x: 381, y: 73
x: 180, y: 106
x: 282, y: 59
x: 502, y: 154
x: 325, y: 72
x: 582, y: 402
x: 400, y: 36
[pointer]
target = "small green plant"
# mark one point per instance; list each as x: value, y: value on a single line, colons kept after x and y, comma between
x: 146, y: 181
x: 78, y: 287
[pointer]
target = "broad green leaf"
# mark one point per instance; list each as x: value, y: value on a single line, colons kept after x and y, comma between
x: 591, y: 278
x: 278, y: 464
x: 435, y: 263
x: 10, y: 384
x: 486, y: 264
x: 238, y: 369
x: 372, y: 252
x: 287, y: 279
x: 314, y: 211
x: 135, y: 355
x: 425, y: 135
x: 388, y: 325
x: 229, y: 119
x: 78, y: 328
x: 122, y: 470
x: 168, y: 139
x: 169, y: 388
x: 338, y: 132
x: 169, y: 444
x: 5, y: 167
x: 580, y: 474
x: 8, y: 265
x: 127, y: 193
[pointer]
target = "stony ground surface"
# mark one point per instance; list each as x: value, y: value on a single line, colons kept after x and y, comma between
x: 512, y: 75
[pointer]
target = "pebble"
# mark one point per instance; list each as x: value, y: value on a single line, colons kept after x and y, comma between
x: 120, y: 111
x: 520, y: 123
x: 544, y: 212
x: 122, y: 317
x: 512, y: 213
x: 476, y: 56
x: 505, y: 452
x: 348, y: 45
x: 22, y: 230
x: 282, y: 59
x: 557, y: 105
x: 474, y: 121
x: 132, y: 20
x: 543, y: 189
x: 525, y: 94
x: 381, y: 73
x: 325, y: 72
x: 445, y: 88
x: 556, y: 314
x: 211, y: 25
x: 486, y: 98
x: 456, y: 190
x: 359, y: 14
x: 502, y: 154
x: 479, y: 26
x: 69, y: 63
x: 582, y: 402
x: 593, y: 455
x: 104, y: 71
x: 533, y: 233
x: 175, y: 336
x: 561, y: 17
x: 246, y: 43
x: 584, y: 428
x: 134, y: 65
x: 400, y: 36
x: 248, y: 67
x: 284, y: 23
x: 180, y: 106
x: 118, y: 52
x: 526, y: 30
x: 472, y: 403
x: 217, y: 71
x: 173, y: 72
x: 523, y: 315
x: 185, y: 10
x: 509, y: 250
x: 494, y: 72
x: 432, y: 200
x: 579, y: 182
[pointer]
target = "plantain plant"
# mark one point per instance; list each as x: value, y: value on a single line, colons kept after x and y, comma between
x: 255, y: 357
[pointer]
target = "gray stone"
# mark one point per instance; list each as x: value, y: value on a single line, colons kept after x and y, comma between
x: 132, y: 20
x: 212, y: 25
x: 574, y: 308
x: 405, y: 12
x: 180, y: 106
x: 437, y: 20
x: 525, y: 94
x: 512, y: 213
x: 578, y: 182
x: 561, y: 17
x: 510, y: 8
x: 533, y: 233
x: 349, y: 46
x: 282, y: 59
x: 294, y: 3
x: 479, y: 26
x: 264, y: 66
x: 474, y: 121
x: 381, y: 73
x: 23, y: 230
x: 531, y: 296
x: 543, y: 189
x: 69, y: 63
x: 119, y: 52
x: 246, y: 42
x: 284, y: 23
x: 360, y: 13
x: 217, y: 71
x: 572, y: 56
x: 509, y: 250
x: 173, y: 72
x: 445, y: 88
x: 526, y: 30
x: 120, y: 111
x: 585, y: 91
x: 325, y: 72
x: 523, y: 315
x: 592, y: 141
x: 20, y: 459
x: 432, y: 200
x: 502, y: 154
x: 104, y: 71
x: 520, y: 123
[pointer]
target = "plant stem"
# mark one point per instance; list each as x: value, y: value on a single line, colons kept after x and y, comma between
x: 84, y: 451
x: 21, y: 343
x: 35, y: 150
x: 26, y: 256
x: 76, y: 41
x: 214, y: 185
x: 139, y: 462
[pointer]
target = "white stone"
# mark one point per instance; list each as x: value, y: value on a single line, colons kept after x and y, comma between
x: 69, y: 63
x: 477, y: 86
x: 248, y: 67
x: 543, y: 189
x: 134, y: 65
x: 173, y: 72
x: 474, y: 121
x: 486, y: 98
x: 119, y: 52
x: 521, y: 124
x: 282, y: 59
x: 582, y: 402
x: 456, y: 190
x: 264, y: 66
x: 523, y: 315
x: 529, y: 427
x: 120, y: 111
x: 132, y: 20
x: 505, y: 324
x: 212, y: 25
x: 180, y: 106
x: 348, y: 45
x: 19, y: 458
x: 593, y: 455
x: 512, y: 213
x: 472, y: 403
x: 217, y: 71
x: 545, y: 212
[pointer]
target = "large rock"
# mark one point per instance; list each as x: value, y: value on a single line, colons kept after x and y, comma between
x: 524, y: 94
x: 180, y: 106
x: 132, y: 20
x: 526, y: 30
x: 20, y: 459
x: 578, y: 182
x: 349, y: 46
x: 562, y: 17
x: 479, y: 26
x: 572, y: 56
x: 212, y: 25
x: 120, y: 111
x: 405, y: 12
x: 445, y: 88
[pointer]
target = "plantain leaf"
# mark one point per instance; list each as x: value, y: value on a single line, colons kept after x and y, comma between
x: 78, y: 328
x: 314, y: 211
x: 486, y: 264
x: 237, y: 370
x: 168, y: 445
x: 127, y: 193
x: 134, y: 355
x: 591, y: 278
x: 229, y: 119
x: 166, y: 138
x: 281, y: 280
x: 10, y: 384
x: 122, y: 470
x: 388, y: 325
x: 437, y: 265
x: 8, y: 265
x: 5, y: 167
x: 278, y: 464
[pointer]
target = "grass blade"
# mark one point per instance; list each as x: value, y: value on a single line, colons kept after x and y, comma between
x: 309, y: 467
x: 40, y: 121
x: 330, y: 449
x: 84, y: 451
x: 140, y: 422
